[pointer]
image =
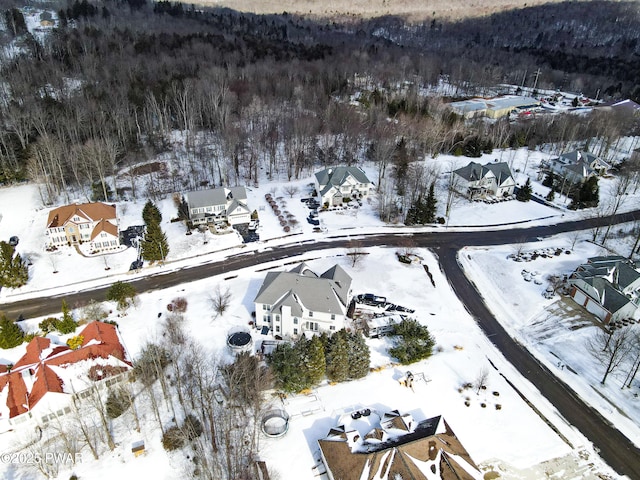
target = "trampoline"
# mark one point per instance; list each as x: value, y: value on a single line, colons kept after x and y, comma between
x: 275, y: 423
x: 240, y: 341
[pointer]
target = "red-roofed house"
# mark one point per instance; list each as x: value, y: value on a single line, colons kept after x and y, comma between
x: 95, y: 223
x: 41, y: 372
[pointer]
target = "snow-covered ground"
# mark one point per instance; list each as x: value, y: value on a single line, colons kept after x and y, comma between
x: 513, y: 441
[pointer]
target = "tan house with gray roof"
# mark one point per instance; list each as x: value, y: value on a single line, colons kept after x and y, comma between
x: 94, y: 223
x: 299, y: 301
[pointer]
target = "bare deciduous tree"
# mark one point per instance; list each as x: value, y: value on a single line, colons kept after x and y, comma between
x: 610, y: 348
x: 220, y: 300
x: 481, y: 379
x: 290, y: 190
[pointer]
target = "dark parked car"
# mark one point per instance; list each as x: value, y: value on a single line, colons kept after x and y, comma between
x: 136, y: 264
x: 313, y: 221
x: 13, y: 241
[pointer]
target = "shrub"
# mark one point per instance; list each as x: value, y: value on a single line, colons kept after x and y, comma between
x: 172, y: 439
x: 11, y: 335
x: 75, y: 343
x: 413, y: 342
x: 49, y: 325
x: 191, y: 427
x: 117, y: 403
x: 122, y: 293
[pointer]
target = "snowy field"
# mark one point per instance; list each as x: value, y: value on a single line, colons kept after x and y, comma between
x: 513, y: 441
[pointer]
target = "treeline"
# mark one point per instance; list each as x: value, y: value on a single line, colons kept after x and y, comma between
x: 109, y: 87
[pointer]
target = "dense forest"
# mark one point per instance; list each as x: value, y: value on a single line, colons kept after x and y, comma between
x: 97, y: 97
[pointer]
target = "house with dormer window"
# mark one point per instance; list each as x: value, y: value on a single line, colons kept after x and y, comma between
x: 491, y: 179
x: 94, y: 223
x: 299, y: 301
x: 218, y: 205
x: 337, y: 184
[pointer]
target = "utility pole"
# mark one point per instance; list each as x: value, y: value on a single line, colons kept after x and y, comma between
x: 535, y: 82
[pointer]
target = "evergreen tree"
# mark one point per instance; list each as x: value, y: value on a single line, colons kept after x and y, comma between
x: 122, y: 293
x: 67, y: 324
x: 13, y: 270
x: 430, y: 206
x: 155, y: 246
x: 359, y: 355
x: 413, y: 342
x: 151, y: 213
x: 551, y: 195
x: 587, y: 195
x: 413, y: 214
x: 549, y: 179
x: 285, y: 362
x: 337, y: 356
x: 314, y: 360
x: 11, y: 335
x: 524, y: 193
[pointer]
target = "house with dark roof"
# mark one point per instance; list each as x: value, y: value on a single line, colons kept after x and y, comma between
x: 41, y: 383
x: 299, y: 301
x: 478, y: 180
x: 94, y: 223
x: 367, y: 445
x: 608, y: 287
x: 576, y: 167
x: 218, y: 205
x: 336, y: 184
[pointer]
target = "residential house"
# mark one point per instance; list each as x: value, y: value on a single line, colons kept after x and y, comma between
x: 335, y: 185
x: 94, y: 223
x: 299, y: 301
x: 40, y: 384
x: 392, y: 445
x: 218, y: 205
x: 478, y: 180
x: 608, y: 287
x: 576, y: 167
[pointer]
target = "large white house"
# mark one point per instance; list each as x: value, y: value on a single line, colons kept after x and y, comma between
x: 217, y: 205
x: 299, y: 301
x: 336, y: 184
x: 490, y: 179
x: 94, y: 223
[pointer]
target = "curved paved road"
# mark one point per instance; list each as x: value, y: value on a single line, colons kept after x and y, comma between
x: 614, y: 447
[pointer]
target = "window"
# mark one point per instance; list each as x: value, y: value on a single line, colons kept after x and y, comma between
x: 295, y: 331
x: 310, y: 313
x: 295, y: 320
x: 277, y: 318
x: 333, y: 316
x: 264, y: 307
x: 277, y: 329
x: 332, y: 327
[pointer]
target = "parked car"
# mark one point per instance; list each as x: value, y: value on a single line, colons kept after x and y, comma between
x: 136, y: 264
x: 13, y: 241
x: 253, y: 224
x: 313, y: 221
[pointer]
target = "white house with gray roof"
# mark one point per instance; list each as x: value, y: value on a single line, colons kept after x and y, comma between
x: 491, y: 179
x: 608, y: 287
x: 217, y: 205
x: 299, y: 301
x: 577, y: 166
x: 337, y: 183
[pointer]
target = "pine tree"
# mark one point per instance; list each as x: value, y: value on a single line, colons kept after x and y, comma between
x: 524, y: 193
x: 151, y: 213
x: 413, y: 212
x: 11, y: 335
x: 359, y: 355
x: 315, y: 362
x: 337, y: 357
x: 67, y: 324
x: 285, y: 364
x: 121, y: 292
x: 13, y: 271
x: 155, y: 246
x: 430, y: 206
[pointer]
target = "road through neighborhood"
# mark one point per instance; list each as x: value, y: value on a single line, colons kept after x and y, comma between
x: 614, y: 448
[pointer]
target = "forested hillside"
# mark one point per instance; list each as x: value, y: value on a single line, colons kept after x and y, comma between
x: 104, y: 91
